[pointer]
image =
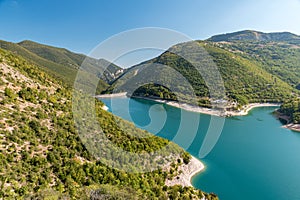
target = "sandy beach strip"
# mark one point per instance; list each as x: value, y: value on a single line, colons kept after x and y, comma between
x: 293, y: 127
x: 184, y: 106
x: 246, y: 109
x: 122, y: 94
x: 192, y: 108
x: 194, y: 167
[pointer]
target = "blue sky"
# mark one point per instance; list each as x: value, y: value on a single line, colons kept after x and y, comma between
x: 80, y: 25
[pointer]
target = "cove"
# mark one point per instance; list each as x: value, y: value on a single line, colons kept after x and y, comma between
x: 254, y: 158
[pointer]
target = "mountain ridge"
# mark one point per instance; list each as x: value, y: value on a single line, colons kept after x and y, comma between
x: 63, y: 63
x: 245, y: 80
x: 251, y: 35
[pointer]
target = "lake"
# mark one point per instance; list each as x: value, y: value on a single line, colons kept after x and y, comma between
x: 254, y: 158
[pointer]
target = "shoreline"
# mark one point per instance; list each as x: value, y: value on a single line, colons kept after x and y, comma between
x: 197, y: 109
x: 293, y: 127
x: 184, y: 106
x: 289, y: 125
x: 245, y: 111
x: 105, y: 108
x: 184, y: 179
x: 122, y: 94
x: 195, y: 166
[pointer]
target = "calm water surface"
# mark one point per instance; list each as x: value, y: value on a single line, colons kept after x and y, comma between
x: 254, y: 158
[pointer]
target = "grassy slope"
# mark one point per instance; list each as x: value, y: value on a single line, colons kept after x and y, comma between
x: 278, y: 53
x: 243, y: 77
x: 279, y: 59
x: 41, y: 154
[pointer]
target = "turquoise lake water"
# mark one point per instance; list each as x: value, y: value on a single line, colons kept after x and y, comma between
x: 253, y: 159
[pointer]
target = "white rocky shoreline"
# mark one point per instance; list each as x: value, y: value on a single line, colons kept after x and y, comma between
x: 189, y: 170
x: 192, y: 108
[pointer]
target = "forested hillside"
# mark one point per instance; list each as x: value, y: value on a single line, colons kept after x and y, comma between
x: 62, y: 63
x: 42, y: 157
x: 291, y: 108
x: 246, y: 80
x: 278, y: 53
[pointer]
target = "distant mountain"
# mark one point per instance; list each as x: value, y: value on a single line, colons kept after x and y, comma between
x: 249, y: 35
x: 63, y: 63
x: 113, y: 71
x: 255, y: 67
x: 277, y: 53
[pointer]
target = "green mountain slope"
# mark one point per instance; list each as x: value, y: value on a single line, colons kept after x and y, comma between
x: 277, y: 53
x: 41, y: 154
x: 291, y: 109
x: 67, y: 58
x: 251, y: 36
x: 62, y: 63
x: 57, y: 55
x: 245, y: 80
